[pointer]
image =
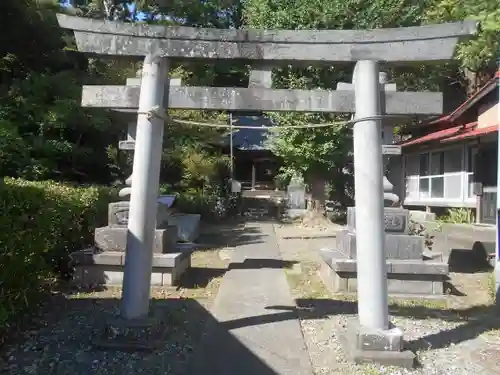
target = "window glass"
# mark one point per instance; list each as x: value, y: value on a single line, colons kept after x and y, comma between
x: 424, y: 164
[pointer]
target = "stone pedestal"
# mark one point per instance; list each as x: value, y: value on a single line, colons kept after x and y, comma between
x: 412, y: 271
x: 94, y: 268
x: 104, y: 263
x: 114, y: 238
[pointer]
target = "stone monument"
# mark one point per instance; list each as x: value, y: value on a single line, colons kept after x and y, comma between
x: 187, y: 224
x: 159, y: 45
x: 103, y: 264
x: 296, y: 203
x: 411, y: 269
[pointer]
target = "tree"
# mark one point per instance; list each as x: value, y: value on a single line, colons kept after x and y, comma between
x: 321, y: 154
x: 477, y: 57
x: 40, y: 91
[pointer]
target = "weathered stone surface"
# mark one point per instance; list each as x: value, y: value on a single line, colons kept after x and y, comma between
x: 397, y: 246
x: 379, y: 340
x: 118, y: 214
x: 259, y: 98
x: 261, y: 75
x: 404, y: 277
x: 425, y: 43
x: 167, y: 270
x: 115, y: 239
x: 188, y: 226
x: 408, y: 267
x: 93, y: 256
x: 452, y: 29
x: 396, y: 219
x: 137, y: 81
x: 385, y: 347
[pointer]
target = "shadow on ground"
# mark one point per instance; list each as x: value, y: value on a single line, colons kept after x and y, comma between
x: 65, y: 345
x: 468, y: 260
x: 475, y: 320
x: 202, y: 276
x: 233, y: 233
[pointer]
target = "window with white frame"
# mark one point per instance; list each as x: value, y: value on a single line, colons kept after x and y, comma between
x: 437, y: 175
x: 471, y: 168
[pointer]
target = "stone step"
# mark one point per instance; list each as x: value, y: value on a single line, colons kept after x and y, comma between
x: 412, y: 277
x: 93, y: 267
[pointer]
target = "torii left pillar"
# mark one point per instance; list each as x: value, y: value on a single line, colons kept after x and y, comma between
x: 145, y: 182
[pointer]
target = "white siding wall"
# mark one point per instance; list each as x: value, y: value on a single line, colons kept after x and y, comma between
x: 441, y: 177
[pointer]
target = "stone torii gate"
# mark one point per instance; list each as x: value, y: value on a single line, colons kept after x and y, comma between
x: 160, y: 44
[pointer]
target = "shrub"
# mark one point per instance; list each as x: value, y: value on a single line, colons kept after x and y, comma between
x: 458, y: 216
x: 40, y: 224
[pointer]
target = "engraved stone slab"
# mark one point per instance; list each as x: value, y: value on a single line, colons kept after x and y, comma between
x: 396, y: 220
x: 115, y: 239
x: 118, y: 214
x: 397, y: 246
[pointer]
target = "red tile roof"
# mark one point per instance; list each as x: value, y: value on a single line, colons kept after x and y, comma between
x: 441, y: 134
x: 473, y: 133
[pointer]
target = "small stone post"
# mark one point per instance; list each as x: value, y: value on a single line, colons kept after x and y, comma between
x: 369, y: 197
x: 145, y: 182
x: 254, y: 174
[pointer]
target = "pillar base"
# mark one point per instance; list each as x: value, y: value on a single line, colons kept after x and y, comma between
x: 384, y: 347
x: 134, y: 335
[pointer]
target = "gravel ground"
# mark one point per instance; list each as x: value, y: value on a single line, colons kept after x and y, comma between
x: 62, y: 344
x: 459, y: 335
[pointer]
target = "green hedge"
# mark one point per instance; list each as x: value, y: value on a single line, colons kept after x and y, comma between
x: 40, y: 224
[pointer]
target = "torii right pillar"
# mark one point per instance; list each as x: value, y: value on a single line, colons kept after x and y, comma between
x: 369, y: 192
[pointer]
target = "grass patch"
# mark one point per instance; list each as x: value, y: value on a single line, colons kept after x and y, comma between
x: 491, y: 286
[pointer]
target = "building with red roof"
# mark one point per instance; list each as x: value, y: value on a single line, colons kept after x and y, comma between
x: 451, y: 161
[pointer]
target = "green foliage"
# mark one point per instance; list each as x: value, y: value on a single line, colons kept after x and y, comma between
x: 458, y: 216
x: 40, y: 224
x: 13, y: 155
x: 51, y: 135
x: 202, y: 169
x: 480, y: 52
x: 323, y: 152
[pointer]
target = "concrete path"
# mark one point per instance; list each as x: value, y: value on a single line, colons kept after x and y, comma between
x: 249, y: 337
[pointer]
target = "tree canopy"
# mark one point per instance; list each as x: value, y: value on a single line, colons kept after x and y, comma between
x: 46, y: 134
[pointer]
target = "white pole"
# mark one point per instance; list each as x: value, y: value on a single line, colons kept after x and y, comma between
x: 497, y: 263
x: 369, y: 197
x: 145, y: 182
